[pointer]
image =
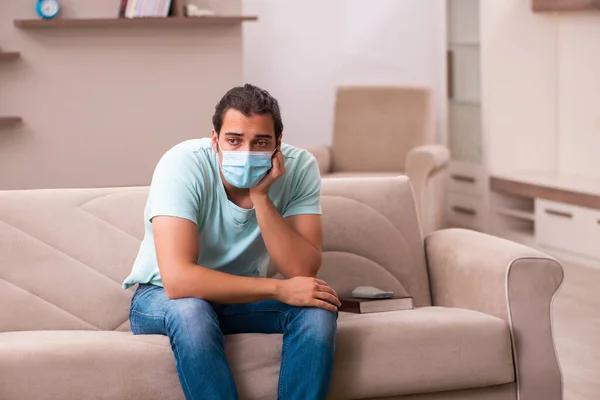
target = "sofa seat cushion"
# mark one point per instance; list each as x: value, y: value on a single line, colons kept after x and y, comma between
x: 362, y: 174
x: 429, y: 349
x: 424, y: 350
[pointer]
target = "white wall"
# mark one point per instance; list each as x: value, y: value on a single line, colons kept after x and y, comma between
x: 518, y: 73
x: 100, y: 106
x: 301, y: 50
x: 294, y: 53
x: 541, y: 89
x: 579, y: 94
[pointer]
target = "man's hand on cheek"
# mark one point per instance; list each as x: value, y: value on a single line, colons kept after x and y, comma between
x: 276, y: 171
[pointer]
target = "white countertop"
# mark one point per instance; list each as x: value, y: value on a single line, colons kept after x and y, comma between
x: 561, y: 181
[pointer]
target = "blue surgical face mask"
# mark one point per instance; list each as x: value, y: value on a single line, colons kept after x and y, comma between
x: 245, y: 169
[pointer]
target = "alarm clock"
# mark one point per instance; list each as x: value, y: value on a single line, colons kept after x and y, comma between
x: 47, y: 8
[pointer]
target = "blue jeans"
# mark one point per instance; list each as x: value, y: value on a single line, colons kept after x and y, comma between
x: 196, y: 327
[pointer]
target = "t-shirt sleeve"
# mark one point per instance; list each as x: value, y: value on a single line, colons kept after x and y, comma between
x: 174, y: 188
x: 306, y: 198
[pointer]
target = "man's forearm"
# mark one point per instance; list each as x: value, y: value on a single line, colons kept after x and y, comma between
x: 219, y: 287
x: 293, y: 255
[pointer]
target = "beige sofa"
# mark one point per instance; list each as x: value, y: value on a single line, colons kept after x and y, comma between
x: 388, y: 131
x: 482, y: 329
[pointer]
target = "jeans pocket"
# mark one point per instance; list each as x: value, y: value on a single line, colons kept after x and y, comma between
x: 134, y: 301
x: 141, y: 289
x: 146, y: 316
x: 146, y: 324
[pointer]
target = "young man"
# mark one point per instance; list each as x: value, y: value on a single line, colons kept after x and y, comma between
x: 218, y: 209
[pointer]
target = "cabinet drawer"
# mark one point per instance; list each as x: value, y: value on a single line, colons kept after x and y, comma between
x: 465, y: 211
x: 590, y: 240
x: 465, y: 178
x: 566, y: 227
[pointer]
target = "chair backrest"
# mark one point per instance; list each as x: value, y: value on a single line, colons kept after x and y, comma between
x: 65, y: 252
x: 376, y: 126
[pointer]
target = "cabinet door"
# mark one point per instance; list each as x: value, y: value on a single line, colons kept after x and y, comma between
x: 567, y: 227
x: 464, y: 92
x: 463, y: 21
x: 464, y: 75
x: 465, y: 212
x: 465, y: 132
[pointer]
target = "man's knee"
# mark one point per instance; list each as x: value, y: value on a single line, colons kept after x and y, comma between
x: 193, y: 318
x: 316, y: 323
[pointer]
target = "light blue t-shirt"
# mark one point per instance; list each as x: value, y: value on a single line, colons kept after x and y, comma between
x: 187, y: 184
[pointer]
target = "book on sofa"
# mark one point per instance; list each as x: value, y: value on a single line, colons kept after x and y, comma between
x: 363, y: 306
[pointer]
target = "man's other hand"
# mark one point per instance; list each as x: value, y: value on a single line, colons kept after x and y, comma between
x: 307, y: 292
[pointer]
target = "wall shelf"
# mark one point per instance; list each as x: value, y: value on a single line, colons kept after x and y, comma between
x: 564, y: 188
x: 9, y: 55
x: 470, y: 103
x: 564, y: 5
x: 472, y: 43
x: 8, y: 121
x: 130, y: 22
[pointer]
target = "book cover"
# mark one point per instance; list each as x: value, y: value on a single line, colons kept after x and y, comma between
x: 130, y: 8
x: 165, y: 7
x: 363, y: 306
x: 122, y: 8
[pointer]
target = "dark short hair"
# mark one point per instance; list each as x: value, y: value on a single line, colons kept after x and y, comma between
x: 249, y: 100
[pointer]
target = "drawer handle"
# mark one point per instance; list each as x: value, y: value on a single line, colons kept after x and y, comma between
x: 463, y: 178
x: 559, y: 213
x: 464, y: 210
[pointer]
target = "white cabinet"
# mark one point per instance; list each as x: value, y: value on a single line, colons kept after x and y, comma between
x: 591, y: 232
x: 465, y: 73
x: 465, y: 211
x: 465, y: 132
x: 467, y: 180
x: 567, y: 227
x: 464, y: 81
x: 467, y: 193
x: 463, y: 21
x: 557, y: 213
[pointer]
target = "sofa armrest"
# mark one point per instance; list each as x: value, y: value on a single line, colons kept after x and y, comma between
x: 323, y: 156
x: 472, y: 270
x: 425, y: 167
x: 427, y: 158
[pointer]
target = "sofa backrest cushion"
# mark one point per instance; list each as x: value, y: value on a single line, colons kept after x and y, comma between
x: 65, y: 252
x: 371, y: 237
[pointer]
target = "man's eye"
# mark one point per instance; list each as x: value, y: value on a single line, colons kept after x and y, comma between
x: 232, y: 142
x: 262, y: 143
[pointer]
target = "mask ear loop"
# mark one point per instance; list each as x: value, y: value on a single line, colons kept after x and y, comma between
x: 220, y: 162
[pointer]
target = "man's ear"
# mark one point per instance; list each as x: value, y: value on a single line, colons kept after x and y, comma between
x: 279, y: 141
x: 214, y: 139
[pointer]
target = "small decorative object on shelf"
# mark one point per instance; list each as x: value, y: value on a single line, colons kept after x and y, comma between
x: 192, y: 10
x: 47, y: 8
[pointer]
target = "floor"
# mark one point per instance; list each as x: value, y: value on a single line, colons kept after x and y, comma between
x: 577, y: 331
